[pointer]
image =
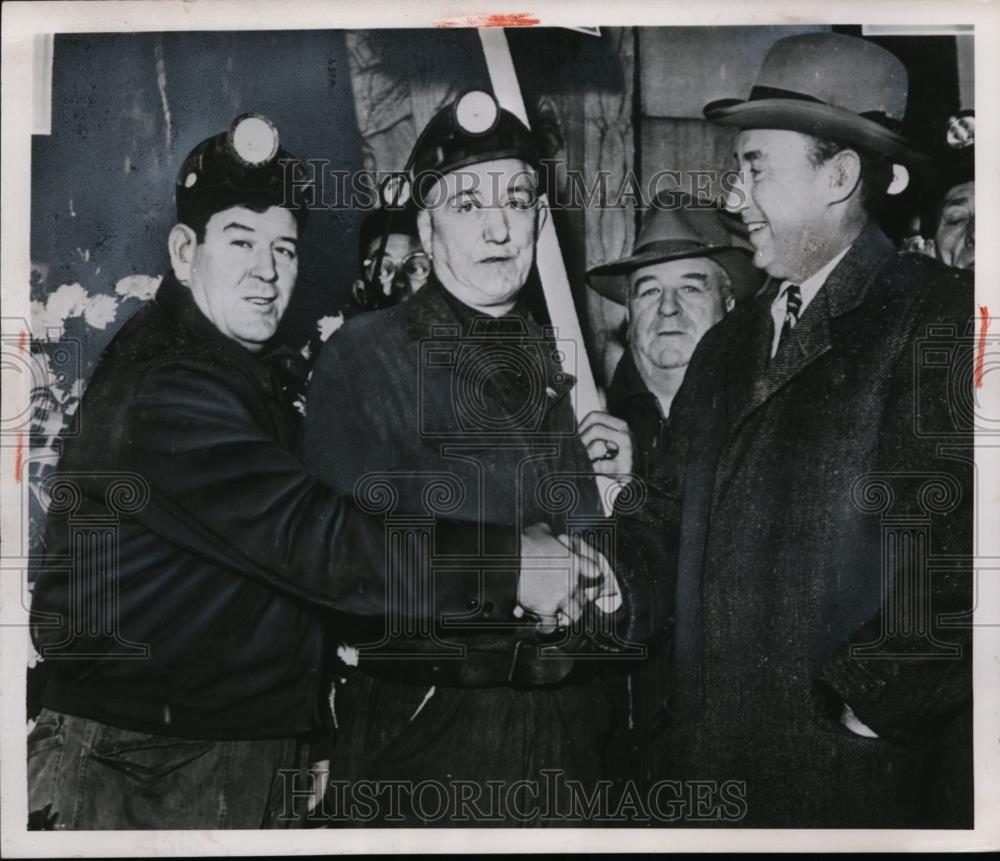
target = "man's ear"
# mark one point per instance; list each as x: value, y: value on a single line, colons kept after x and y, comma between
x: 843, y: 175
x: 426, y: 232
x: 182, y: 242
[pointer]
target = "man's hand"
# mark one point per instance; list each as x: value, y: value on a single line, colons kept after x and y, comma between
x: 609, y: 444
x: 606, y: 593
x: 554, y: 578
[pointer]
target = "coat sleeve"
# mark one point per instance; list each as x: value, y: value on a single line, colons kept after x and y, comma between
x: 919, y: 675
x: 223, y: 488
x: 345, y: 431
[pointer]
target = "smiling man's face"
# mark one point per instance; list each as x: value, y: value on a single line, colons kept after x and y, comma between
x: 782, y: 202
x: 480, y: 227
x: 671, y: 305
x: 242, y: 275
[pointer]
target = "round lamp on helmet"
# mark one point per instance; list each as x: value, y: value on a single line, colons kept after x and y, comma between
x: 476, y: 113
x: 471, y: 129
x: 242, y: 166
x: 253, y: 140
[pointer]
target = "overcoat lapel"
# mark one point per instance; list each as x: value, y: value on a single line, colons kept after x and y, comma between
x: 844, y: 290
x: 809, y: 340
x: 747, y: 355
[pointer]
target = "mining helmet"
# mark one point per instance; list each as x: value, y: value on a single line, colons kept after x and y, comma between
x: 470, y: 130
x: 244, y: 165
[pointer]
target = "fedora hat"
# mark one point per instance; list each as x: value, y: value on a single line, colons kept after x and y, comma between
x: 828, y: 85
x: 677, y: 227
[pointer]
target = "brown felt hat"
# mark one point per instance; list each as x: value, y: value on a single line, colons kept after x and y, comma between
x: 828, y: 85
x: 677, y: 227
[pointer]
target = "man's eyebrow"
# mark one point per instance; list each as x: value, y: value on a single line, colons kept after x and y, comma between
x: 642, y: 279
x: 463, y: 192
x: 523, y: 181
x: 962, y: 201
x: 697, y: 276
x: 291, y: 239
x: 750, y: 155
x: 238, y: 226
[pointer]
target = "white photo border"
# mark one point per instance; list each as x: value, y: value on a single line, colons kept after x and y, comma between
x: 23, y: 21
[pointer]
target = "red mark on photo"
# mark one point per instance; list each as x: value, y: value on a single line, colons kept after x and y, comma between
x: 984, y: 320
x: 512, y: 19
x: 22, y: 345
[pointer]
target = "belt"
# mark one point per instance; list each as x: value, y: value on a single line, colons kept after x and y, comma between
x: 523, y: 665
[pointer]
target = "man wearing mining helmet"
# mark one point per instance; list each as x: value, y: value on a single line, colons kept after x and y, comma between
x: 814, y: 445
x: 186, y: 652
x: 403, y: 265
x: 461, y: 402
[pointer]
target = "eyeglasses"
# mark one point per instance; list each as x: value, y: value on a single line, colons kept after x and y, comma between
x: 415, y: 267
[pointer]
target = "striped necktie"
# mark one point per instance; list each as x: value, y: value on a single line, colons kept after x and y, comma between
x: 793, y: 305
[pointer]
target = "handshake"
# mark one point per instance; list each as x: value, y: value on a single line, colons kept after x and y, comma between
x: 560, y: 576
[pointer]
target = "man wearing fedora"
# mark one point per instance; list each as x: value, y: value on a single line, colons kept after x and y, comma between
x: 688, y: 268
x: 820, y: 655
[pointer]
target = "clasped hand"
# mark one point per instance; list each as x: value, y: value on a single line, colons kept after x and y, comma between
x: 560, y: 576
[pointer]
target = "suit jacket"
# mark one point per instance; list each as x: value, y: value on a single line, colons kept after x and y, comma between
x: 824, y: 526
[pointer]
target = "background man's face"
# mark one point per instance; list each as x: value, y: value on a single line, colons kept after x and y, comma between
x: 480, y: 227
x: 671, y: 305
x: 243, y: 273
x: 955, y: 238
x: 398, y: 246
x: 783, y: 204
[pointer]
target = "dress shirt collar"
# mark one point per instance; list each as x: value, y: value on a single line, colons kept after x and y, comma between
x: 808, y: 289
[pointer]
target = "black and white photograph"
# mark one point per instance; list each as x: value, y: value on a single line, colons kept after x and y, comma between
x: 421, y: 422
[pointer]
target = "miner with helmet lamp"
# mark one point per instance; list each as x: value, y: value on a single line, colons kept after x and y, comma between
x: 462, y: 383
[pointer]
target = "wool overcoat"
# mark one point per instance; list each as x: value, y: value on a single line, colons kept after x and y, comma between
x: 825, y: 501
